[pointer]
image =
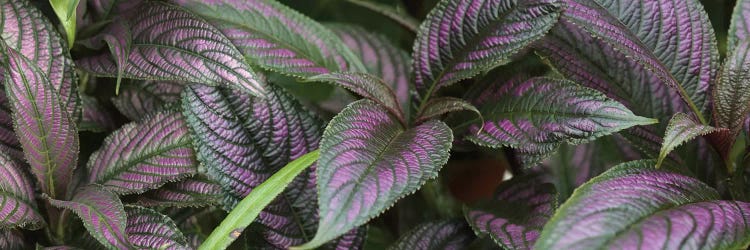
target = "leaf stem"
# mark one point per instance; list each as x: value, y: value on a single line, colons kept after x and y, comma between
x: 248, y: 209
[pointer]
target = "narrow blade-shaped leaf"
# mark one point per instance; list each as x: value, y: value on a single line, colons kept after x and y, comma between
x: 682, y: 128
x: 47, y: 133
x: 28, y: 31
x: 96, y: 117
x: 171, y: 44
x: 368, y: 161
x: 739, y: 27
x: 190, y: 192
x: 460, y: 39
x: 447, y: 234
x: 144, y: 155
x: 367, y: 86
x: 278, y: 38
x: 381, y: 58
x: 149, y: 229
x: 17, y: 203
x: 102, y: 214
x: 633, y: 203
x: 537, y: 115
x: 517, y: 212
x: 137, y: 99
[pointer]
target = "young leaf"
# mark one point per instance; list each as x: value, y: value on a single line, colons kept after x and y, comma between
x: 190, y: 192
x: 278, y: 38
x: 381, y: 58
x: 66, y: 13
x: 102, y: 214
x: 537, y: 115
x: 731, y: 94
x: 447, y: 234
x: 149, y: 229
x: 739, y: 27
x: 12, y: 240
x: 27, y: 30
x: 647, y: 55
x: 137, y: 99
x: 368, y: 162
x: 144, y: 155
x: 17, y: 203
x: 119, y: 40
x: 682, y: 128
x: 517, y: 212
x: 443, y: 105
x: 633, y: 203
x: 96, y: 118
x: 367, y: 86
x: 460, y: 39
x: 171, y: 44
x: 47, y: 133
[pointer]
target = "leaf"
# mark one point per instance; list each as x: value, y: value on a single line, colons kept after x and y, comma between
x: 278, y: 38
x: 458, y: 40
x: 739, y: 27
x: 368, y: 161
x: 647, y: 55
x: 517, y: 212
x: 537, y: 115
x: 144, y: 155
x: 442, y: 105
x: 102, y: 214
x: 190, y: 192
x: 403, y: 19
x: 12, y: 240
x: 682, y: 128
x: 96, y: 118
x: 634, y: 203
x: 368, y: 86
x: 137, y: 99
x: 171, y: 44
x: 446, y: 234
x: 47, y: 133
x: 731, y: 94
x: 66, y: 13
x: 149, y: 229
x: 381, y: 58
x: 118, y: 38
x: 28, y: 31
x: 247, y: 210
x: 17, y: 203
x: 8, y: 139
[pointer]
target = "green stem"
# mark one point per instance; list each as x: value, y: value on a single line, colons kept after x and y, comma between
x: 248, y: 209
x: 60, y: 230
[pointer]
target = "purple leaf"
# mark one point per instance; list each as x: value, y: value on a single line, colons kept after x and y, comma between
x: 171, y: 44
x: 381, y: 58
x: 102, y: 214
x: 368, y: 161
x: 633, y: 203
x: 662, y: 51
x: 443, y: 105
x: 47, y: 133
x: 517, y: 212
x: 739, y: 28
x: 96, y: 117
x: 367, y: 86
x: 12, y: 240
x: 460, y: 39
x: 682, y: 128
x: 144, y: 155
x: 190, y: 192
x: 149, y: 229
x: 137, y: 99
x: 517, y: 115
x: 278, y: 38
x: 447, y: 234
x: 28, y: 31
x: 17, y: 203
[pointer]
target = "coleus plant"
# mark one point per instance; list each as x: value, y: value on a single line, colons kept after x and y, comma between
x: 247, y: 124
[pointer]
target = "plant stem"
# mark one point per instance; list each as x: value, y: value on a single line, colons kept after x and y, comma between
x: 61, y: 221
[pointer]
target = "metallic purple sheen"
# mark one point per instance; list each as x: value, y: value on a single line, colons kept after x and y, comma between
x: 190, y: 192
x: 149, y: 229
x: 139, y: 98
x: 17, y: 203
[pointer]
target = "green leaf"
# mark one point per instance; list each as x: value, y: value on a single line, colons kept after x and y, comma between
x: 682, y: 128
x: 248, y: 209
x: 66, y: 12
x: 443, y: 105
x: 400, y: 17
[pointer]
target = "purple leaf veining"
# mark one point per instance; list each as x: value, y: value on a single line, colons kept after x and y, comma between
x: 739, y: 28
x: 17, y: 203
x: 149, y: 229
x: 139, y: 98
x: 144, y: 155
x: 190, y: 192
x: 447, y: 234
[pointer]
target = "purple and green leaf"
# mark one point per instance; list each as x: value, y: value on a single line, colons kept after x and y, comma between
x: 682, y: 128
x: 368, y: 161
x: 536, y: 115
x: 448, y: 234
x: 102, y: 214
x: 96, y: 117
x: 139, y: 98
x: 460, y: 39
x: 12, y: 240
x: 144, y: 155
x: 278, y: 38
x: 516, y: 213
x: 172, y: 44
x: 739, y: 27
x: 47, y: 133
x: 190, y: 192
x: 635, y: 206
x: 17, y: 203
x: 149, y: 229
x: 442, y: 105
x: 731, y: 96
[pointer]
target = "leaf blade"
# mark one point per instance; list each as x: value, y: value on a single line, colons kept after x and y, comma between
x: 17, y: 205
x: 682, y: 128
x: 149, y: 229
